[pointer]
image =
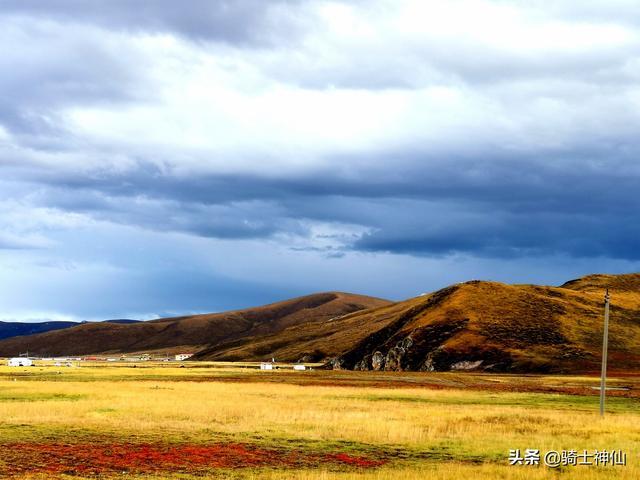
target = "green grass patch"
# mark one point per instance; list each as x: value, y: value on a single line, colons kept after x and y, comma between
x: 583, y: 403
x: 39, y: 397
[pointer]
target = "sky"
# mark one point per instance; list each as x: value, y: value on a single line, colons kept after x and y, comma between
x: 188, y: 157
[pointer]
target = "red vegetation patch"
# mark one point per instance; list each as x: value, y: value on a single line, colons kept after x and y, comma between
x: 100, y: 458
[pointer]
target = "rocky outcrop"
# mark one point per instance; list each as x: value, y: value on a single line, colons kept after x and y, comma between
x: 420, y: 350
x: 424, y: 350
x: 429, y: 364
x: 466, y: 365
x: 377, y: 360
x: 372, y: 352
x: 336, y: 363
x: 364, y: 364
x: 394, y: 360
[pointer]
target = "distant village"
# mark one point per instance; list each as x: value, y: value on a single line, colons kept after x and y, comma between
x: 28, y: 361
x: 71, y: 361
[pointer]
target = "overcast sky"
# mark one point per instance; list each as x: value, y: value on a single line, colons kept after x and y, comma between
x: 174, y: 157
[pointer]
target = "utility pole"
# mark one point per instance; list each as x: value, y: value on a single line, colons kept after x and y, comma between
x: 605, y: 343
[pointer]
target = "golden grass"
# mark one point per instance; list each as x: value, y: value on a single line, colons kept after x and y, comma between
x: 446, y: 433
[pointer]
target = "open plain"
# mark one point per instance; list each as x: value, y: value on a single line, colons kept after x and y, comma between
x: 223, y: 420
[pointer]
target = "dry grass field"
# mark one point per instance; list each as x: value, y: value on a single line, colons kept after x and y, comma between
x: 229, y: 421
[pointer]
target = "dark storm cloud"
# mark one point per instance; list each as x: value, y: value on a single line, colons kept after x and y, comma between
x: 165, y: 157
x: 576, y: 180
x: 473, y: 195
x: 497, y: 234
x: 244, y: 22
x: 577, y: 203
x: 207, y: 208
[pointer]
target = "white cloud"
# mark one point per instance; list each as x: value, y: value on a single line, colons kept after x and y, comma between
x: 402, y: 118
x: 489, y: 70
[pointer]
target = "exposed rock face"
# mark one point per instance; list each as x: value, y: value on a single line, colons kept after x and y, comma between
x: 421, y: 350
x: 466, y: 365
x: 336, y: 363
x: 364, y: 364
x: 394, y: 359
x: 385, y: 338
x: 429, y: 364
x: 377, y: 361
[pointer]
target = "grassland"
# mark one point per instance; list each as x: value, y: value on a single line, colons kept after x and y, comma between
x: 219, y: 420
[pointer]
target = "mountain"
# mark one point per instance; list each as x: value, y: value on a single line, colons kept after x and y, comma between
x: 122, y: 320
x: 191, y: 333
x: 491, y: 326
x: 14, y: 329
x: 476, y: 325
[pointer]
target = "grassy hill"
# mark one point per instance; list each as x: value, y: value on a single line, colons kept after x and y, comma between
x: 477, y: 325
x: 191, y: 333
x: 14, y: 329
x: 496, y: 327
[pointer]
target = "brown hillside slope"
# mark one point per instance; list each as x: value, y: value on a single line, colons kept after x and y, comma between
x: 475, y: 325
x: 628, y: 283
x: 190, y: 333
x: 498, y: 327
x: 317, y: 339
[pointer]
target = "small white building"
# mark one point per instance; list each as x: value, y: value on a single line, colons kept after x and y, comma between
x: 20, y: 362
x: 183, y: 356
x: 266, y: 366
x: 299, y: 367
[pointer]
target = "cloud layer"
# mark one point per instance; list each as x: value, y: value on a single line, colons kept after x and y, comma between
x: 188, y: 159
